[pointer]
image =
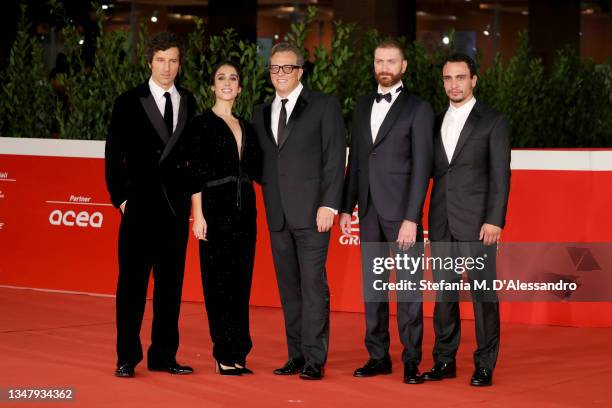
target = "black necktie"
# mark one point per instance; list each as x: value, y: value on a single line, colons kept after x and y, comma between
x: 168, y: 114
x: 282, y: 123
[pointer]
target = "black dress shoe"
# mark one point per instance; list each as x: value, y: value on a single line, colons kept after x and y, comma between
x: 124, y: 370
x: 243, y: 369
x: 291, y: 367
x: 224, y: 369
x: 482, y: 377
x: 312, y: 373
x: 374, y: 367
x: 172, y: 368
x: 411, y: 375
x: 440, y: 371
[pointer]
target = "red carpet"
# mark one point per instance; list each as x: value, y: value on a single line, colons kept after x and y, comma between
x: 64, y: 340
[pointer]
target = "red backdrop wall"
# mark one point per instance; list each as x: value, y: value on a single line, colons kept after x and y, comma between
x: 58, y: 230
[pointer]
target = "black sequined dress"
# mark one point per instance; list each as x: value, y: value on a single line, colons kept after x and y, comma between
x: 228, y: 203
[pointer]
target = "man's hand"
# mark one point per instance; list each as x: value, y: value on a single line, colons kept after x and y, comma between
x: 345, y: 223
x: 122, y: 207
x: 199, y: 227
x: 325, y: 219
x: 407, y: 235
x: 490, y: 234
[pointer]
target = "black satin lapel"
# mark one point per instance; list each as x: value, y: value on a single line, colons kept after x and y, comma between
x: 182, y: 121
x: 391, y: 117
x: 155, y: 117
x: 367, y: 119
x: 267, y: 112
x: 438, y: 137
x: 299, y: 107
x: 466, y: 132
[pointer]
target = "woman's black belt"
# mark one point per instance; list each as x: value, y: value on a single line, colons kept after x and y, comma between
x: 242, y: 178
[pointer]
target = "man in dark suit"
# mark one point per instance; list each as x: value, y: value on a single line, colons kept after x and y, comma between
x: 302, y: 136
x: 467, y: 213
x: 388, y: 174
x: 147, y: 176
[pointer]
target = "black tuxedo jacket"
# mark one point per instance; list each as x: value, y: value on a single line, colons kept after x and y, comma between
x: 144, y: 164
x: 473, y: 188
x: 305, y: 172
x: 394, y: 169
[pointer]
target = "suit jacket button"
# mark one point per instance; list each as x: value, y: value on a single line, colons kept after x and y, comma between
x: 178, y: 166
x: 158, y: 151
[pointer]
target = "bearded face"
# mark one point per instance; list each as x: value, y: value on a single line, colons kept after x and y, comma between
x: 388, y: 79
x: 389, y: 66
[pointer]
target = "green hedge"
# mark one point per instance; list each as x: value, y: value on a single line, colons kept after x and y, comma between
x: 571, y: 106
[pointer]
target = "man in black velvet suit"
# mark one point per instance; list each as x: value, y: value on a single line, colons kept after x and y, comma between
x: 467, y: 213
x: 388, y: 174
x: 301, y: 133
x: 148, y: 178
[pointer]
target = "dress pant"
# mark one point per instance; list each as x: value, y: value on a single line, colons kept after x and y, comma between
x: 226, y: 265
x: 299, y: 259
x: 150, y: 237
x: 375, y: 233
x: 447, y: 319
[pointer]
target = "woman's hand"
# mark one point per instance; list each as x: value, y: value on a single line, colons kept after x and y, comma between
x: 199, y: 227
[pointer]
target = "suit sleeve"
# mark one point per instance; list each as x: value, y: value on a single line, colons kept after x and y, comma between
x: 422, y: 161
x: 333, y: 154
x: 256, y: 156
x: 115, y: 156
x: 499, y: 173
x: 196, y: 157
x: 351, y: 180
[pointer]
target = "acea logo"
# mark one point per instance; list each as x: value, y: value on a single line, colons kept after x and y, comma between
x: 76, y: 212
x: 353, y: 237
x: 72, y: 218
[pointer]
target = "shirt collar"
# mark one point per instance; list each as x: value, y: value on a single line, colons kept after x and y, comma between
x: 464, y: 109
x: 158, y: 91
x: 292, y: 96
x: 393, y: 89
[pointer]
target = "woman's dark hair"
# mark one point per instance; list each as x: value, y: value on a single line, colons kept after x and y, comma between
x: 222, y: 64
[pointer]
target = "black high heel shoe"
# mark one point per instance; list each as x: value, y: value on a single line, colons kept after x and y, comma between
x: 243, y: 369
x: 226, y: 371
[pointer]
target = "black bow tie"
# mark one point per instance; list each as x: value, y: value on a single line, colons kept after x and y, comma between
x: 386, y: 97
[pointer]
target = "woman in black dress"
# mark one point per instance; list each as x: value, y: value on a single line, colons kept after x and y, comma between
x: 227, y: 159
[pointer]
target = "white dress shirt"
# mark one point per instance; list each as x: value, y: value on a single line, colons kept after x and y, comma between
x: 453, y: 123
x: 277, y: 104
x: 380, y: 109
x: 158, y: 94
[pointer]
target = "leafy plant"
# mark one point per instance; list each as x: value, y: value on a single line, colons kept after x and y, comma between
x: 27, y: 101
x: 92, y: 90
x: 569, y: 106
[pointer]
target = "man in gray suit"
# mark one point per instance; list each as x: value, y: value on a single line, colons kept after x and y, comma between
x: 388, y: 174
x: 467, y: 213
x: 302, y: 137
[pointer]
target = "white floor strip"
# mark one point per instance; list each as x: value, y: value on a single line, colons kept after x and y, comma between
x: 67, y: 292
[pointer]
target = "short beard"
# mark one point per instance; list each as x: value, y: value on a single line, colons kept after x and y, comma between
x: 457, y: 99
x: 388, y: 82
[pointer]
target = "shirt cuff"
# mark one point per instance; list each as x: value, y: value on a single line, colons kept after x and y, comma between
x: 332, y: 210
